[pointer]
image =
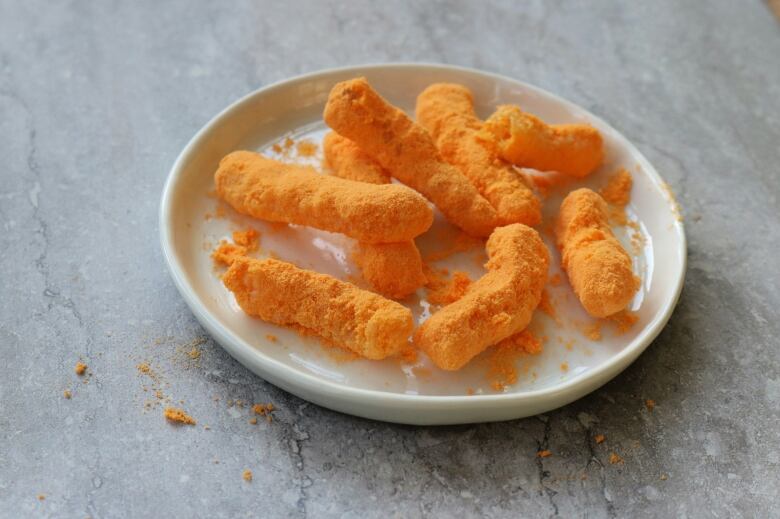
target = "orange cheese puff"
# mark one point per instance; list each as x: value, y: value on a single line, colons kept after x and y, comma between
x: 496, y: 306
x: 270, y: 190
x: 447, y: 111
x: 279, y: 292
x: 407, y: 152
x: 348, y: 161
x: 598, y: 267
x: 525, y: 140
x: 392, y: 269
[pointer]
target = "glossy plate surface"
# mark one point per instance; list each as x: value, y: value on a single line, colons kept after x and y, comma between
x: 192, y: 222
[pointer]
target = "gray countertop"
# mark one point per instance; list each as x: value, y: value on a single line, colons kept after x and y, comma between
x: 98, y: 98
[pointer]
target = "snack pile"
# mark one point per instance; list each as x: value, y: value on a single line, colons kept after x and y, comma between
x: 469, y: 170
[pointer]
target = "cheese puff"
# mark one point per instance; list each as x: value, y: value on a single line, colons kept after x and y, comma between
x: 446, y: 110
x: 281, y: 293
x: 598, y: 267
x: 407, y: 152
x: 347, y: 160
x: 277, y: 192
x: 527, y: 141
x: 494, y: 307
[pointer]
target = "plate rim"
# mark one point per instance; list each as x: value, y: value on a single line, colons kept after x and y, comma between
x: 240, y: 349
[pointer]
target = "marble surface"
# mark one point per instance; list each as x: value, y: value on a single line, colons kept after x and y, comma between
x: 98, y: 98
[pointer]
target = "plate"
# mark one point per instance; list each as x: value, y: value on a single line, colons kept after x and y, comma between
x: 574, y: 361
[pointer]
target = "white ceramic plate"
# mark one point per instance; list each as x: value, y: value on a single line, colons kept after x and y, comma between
x: 570, y: 365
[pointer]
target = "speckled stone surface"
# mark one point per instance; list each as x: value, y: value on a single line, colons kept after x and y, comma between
x: 98, y: 98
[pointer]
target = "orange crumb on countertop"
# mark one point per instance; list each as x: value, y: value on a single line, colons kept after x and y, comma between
x: 264, y: 410
x: 444, y: 292
x: 407, y: 151
x: 247, y: 475
x: 544, y: 454
x: 80, y: 368
x: 67, y: 394
x: 599, y: 269
x: 527, y: 141
x: 650, y: 404
x: 176, y: 415
x: 614, y: 458
x: 446, y: 110
x: 617, y: 191
x: 599, y: 438
x: 496, y: 306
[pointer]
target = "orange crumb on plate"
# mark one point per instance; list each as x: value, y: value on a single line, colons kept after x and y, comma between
x: 624, y: 320
x: 249, y: 238
x: 67, y: 394
x: 502, y: 358
x: 253, y: 420
x: 80, y: 369
x: 272, y: 338
x: 408, y: 355
x: 593, y: 331
x: 178, y: 416
x: 41, y: 497
x: 444, y: 292
x: 247, y: 475
x: 306, y: 148
x: 564, y: 366
x: 546, y: 306
x: 617, y: 191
